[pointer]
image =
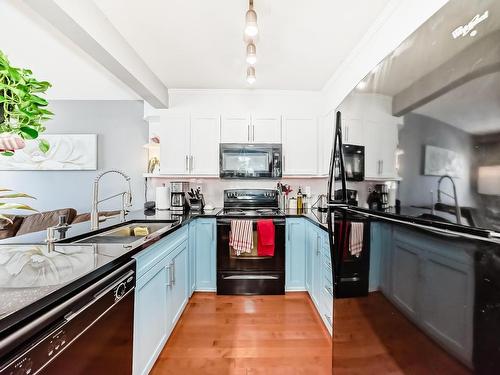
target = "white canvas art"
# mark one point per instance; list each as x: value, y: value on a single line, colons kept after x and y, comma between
x: 67, y: 152
x: 440, y: 161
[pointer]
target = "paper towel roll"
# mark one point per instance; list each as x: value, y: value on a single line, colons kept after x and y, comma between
x: 162, y: 198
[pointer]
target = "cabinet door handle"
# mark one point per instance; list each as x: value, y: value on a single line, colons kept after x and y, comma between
x: 253, y: 133
x: 248, y: 135
x: 317, y: 245
x: 347, y: 133
x: 329, y: 290
x: 191, y: 162
x: 329, y: 319
x: 173, y: 272
x: 187, y: 163
x: 381, y: 166
x: 169, y: 276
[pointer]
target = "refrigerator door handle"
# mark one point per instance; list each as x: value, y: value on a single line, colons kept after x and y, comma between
x: 337, y: 149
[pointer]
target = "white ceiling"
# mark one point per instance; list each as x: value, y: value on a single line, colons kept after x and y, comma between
x: 31, y: 42
x: 199, y: 43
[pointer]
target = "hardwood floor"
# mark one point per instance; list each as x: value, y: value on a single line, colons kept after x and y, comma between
x: 284, y: 335
x: 372, y: 337
x: 247, y: 335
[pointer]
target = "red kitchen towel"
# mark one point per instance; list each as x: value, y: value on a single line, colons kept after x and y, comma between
x: 265, y: 238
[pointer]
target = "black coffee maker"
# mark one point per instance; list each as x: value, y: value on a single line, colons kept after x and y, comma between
x: 352, y: 196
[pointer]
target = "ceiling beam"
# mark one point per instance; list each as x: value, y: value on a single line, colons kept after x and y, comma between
x: 461, y: 68
x: 85, y: 24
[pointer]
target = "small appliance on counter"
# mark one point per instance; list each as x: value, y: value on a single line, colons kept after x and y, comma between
x: 351, y: 195
x: 383, y: 191
x: 178, y: 191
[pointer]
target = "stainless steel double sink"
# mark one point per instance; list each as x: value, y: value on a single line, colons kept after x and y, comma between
x: 126, y: 233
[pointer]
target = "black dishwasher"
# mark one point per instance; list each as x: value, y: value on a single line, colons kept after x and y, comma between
x: 92, y: 332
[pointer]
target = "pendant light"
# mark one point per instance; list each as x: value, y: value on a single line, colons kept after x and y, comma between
x: 251, y: 29
x: 251, y: 75
x: 251, y: 54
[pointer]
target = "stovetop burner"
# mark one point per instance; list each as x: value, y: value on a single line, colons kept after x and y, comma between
x: 250, y: 202
x: 250, y: 212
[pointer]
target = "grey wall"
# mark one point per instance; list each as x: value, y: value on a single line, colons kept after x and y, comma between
x: 121, y: 135
x: 417, y: 132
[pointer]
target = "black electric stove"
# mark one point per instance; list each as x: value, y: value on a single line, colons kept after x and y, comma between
x: 250, y: 273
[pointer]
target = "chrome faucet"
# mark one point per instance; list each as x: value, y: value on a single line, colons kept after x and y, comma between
x: 458, y: 214
x: 126, y: 199
x: 61, y: 228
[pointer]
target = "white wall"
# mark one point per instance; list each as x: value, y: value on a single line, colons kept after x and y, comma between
x: 245, y: 101
x: 121, y: 134
x: 213, y: 188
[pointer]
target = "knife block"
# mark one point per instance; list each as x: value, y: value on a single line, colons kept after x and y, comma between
x: 196, y: 204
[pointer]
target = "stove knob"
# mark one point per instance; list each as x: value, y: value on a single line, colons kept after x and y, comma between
x: 120, y: 291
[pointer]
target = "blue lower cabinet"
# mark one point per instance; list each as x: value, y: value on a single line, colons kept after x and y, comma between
x: 150, y: 317
x: 318, y: 271
x: 205, y: 254
x: 295, y: 254
x: 161, y: 294
x: 177, y: 284
x: 192, y: 257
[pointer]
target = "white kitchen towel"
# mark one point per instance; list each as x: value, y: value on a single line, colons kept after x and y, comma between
x: 241, y: 236
x: 356, y: 239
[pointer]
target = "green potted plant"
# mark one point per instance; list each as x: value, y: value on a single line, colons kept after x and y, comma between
x: 22, y: 110
x: 22, y: 115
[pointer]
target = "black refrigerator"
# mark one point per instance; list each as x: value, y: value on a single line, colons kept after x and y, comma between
x: 349, y: 231
x: 429, y: 117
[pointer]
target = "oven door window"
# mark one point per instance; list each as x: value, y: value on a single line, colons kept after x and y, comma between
x: 251, y: 255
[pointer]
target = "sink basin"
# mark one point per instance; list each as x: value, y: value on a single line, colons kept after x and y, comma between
x: 125, y: 234
x: 128, y: 230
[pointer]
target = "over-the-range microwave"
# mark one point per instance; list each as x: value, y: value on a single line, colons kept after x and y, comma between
x: 250, y: 160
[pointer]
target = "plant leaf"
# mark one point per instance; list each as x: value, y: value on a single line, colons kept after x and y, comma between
x: 16, y: 195
x: 28, y: 133
x: 44, y: 146
x: 15, y: 206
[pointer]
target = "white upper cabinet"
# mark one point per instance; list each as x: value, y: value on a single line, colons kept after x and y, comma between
x: 265, y: 129
x: 189, y: 145
x: 380, y: 150
x: 251, y: 128
x: 235, y: 129
x: 367, y: 120
x: 352, y: 131
x: 300, y: 146
x: 326, y: 133
x: 174, y: 144
x: 205, y: 135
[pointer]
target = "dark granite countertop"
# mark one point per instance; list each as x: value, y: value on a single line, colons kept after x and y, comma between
x: 313, y: 215
x: 32, y: 278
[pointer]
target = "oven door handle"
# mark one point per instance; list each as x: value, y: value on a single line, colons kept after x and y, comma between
x: 251, y: 277
x: 278, y: 222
